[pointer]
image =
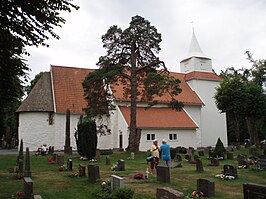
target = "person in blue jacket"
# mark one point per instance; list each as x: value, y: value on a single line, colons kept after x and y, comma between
x: 165, y: 153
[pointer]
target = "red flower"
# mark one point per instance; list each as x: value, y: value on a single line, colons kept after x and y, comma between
x: 19, y: 194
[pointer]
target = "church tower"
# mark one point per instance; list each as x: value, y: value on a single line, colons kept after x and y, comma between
x: 195, y: 60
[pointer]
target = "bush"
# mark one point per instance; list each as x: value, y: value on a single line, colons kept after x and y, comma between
x: 123, y: 193
x: 219, y: 148
x: 104, y: 192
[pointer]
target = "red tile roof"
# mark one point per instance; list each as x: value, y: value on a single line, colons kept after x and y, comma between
x: 68, y: 90
x: 187, y: 96
x: 202, y: 75
x: 69, y: 94
x: 160, y: 118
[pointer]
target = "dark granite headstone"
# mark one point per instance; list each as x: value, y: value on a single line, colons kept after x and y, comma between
x: 69, y: 165
x: 163, y: 173
x: 107, y: 160
x: 211, y: 154
x: 199, y: 166
x: 121, y: 165
x: 28, y: 188
x: 254, y: 151
x: 93, y: 173
x: 255, y: 191
x: 82, y: 170
x: 27, y: 172
x: 206, y: 187
x: 262, y: 163
x: 168, y: 193
x: 230, y: 170
x: 60, y: 160
x: 230, y: 156
x: 116, y: 182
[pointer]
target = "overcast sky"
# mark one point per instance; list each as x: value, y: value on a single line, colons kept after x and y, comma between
x: 224, y: 29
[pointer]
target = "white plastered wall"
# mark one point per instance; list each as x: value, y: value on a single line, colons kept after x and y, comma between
x: 213, y: 123
x: 35, y: 130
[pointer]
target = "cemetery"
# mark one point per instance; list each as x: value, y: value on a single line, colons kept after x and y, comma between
x: 66, y: 175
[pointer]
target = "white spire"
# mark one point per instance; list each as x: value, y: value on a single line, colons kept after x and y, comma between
x: 194, y: 48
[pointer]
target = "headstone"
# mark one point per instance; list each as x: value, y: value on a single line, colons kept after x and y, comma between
x: 20, y: 158
x: 52, y: 150
x: 215, y: 162
x: 108, y: 160
x: 121, y: 165
x: 229, y: 149
x: 211, y: 154
x: 132, y: 156
x: 60, y: 160
x: 28, y: 188
x: 230, y: 170
x: 49, y: 150
x: 230, y: 156
x: 190, y: 151
x: 262, y: 163
x: 97, y: 156
x: 69, y: 165
x: 168, y: 193
x: 163, y: 174
x: 255, y: 191
x: 82, y: 170
x: 201, y: 152
x: 206, y: 187
x: 199, y: 166
x: 254, y: 151
x: 116, y: 182
x: 27, y: 172
x: 93, y: 173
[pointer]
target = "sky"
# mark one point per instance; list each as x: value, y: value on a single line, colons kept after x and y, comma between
x: 224, y: 29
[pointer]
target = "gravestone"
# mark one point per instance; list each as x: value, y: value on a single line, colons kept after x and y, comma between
x: 168, y: 193
x: 230, y: 170
x: 201, y: 152
x: 93, y: 173
x: 230, y: 156
x: 49, y: 150
x: 229, y: 149
x: 211, y: 154
x: 254, y: 151
x: 97, y: 155
x: 199, y: 166
x: 69, y: 165
x: 52, y: 150
x: 108, y: 160
x: 132, y: 156
x: 190, y: 151
x: 255, y: 191
x: 163, y: 174
x: 121, y: 165
x: 206, y: 187
x: 116, y: 182
x: 20, y: 158
x: 27, y: 172
x: 82, y: 170
x: 60, y: 160
x: 262, y: 163
x: 28, y: 188
x: 215, y: 162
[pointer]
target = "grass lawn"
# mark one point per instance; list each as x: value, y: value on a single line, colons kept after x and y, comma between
x: 53, y: 184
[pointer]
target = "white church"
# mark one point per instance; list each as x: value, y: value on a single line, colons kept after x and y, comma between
x: 42, y: 117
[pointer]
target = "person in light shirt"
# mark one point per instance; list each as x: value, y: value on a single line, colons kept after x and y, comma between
x: 155, y: 152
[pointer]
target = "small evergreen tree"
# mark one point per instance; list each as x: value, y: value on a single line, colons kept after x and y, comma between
x: 219, y: 148
x: 86, y: 138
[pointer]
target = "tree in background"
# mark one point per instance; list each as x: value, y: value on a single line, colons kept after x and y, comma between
x: 23, y: 23
x: 241, y: 96
x: 131, y: 61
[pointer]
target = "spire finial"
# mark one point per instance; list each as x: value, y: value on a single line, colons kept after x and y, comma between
x: 192, y: 26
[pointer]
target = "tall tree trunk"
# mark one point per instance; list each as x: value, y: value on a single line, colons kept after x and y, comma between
x: 237, y: 134
x: 68, y: 149
x: 133, y: 108
x: 253, y: 131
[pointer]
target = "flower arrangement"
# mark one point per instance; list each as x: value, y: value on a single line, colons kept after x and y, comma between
x: 114, y: 167
x: 224, y: 177
x: 73, y: 174
x: 196, y: 194
x: 19, y: 194
x: 61, y: 168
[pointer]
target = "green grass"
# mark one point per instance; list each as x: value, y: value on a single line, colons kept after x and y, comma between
x: 53, y: 184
